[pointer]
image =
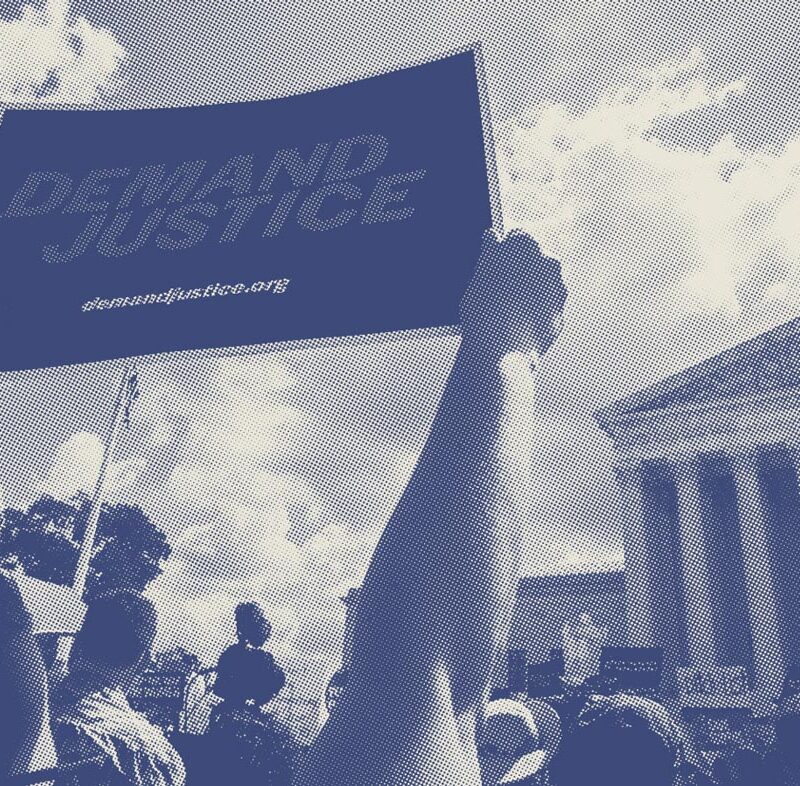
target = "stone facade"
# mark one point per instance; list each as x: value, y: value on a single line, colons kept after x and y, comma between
x: 707, y: 464
x: 545, y: 603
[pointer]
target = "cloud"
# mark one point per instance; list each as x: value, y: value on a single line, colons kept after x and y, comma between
x: 218, y: 565
x: 276, y: 494
x: 672, y: 250
x: 75, y: 466
x: 604, y: 192
x: 50, y: 54
x: 122, y: 475
x: 337, y: 557
x: 249, y: 544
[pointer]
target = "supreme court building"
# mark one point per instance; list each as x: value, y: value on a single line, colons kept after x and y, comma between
x: 708, y: 462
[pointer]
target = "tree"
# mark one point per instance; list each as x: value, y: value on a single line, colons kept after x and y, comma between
x: 45, y: 541
x: 35, y: 540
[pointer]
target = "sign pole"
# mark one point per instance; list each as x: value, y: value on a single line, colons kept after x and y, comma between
x: 87, y: 545
x: 90, y: 535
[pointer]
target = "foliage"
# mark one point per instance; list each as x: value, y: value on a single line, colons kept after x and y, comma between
x: 45, y: 541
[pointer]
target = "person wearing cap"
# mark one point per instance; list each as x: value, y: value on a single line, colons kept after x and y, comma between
x: 513, y: 749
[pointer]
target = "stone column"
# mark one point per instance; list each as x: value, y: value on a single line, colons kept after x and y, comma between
x: 694, y: 561
x: 638, y: 585
x: 762, y: 601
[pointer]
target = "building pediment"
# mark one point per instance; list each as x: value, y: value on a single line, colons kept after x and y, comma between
x: 767, y: 363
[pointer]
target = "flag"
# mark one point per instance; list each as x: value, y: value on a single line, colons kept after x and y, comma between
x: 131, y: 394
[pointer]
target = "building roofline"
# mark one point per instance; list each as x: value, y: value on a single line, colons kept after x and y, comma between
x: 596, y: 581
x: 639, y: 399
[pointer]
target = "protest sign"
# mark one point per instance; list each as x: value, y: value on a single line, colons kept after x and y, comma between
x: 714, y: 687
x: 633, y: 668
x: 357, y: 209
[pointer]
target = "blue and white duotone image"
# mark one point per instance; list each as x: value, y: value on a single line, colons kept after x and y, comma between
x: 399, y: 394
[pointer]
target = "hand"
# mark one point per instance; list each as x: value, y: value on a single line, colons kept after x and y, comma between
x: 515, y: 300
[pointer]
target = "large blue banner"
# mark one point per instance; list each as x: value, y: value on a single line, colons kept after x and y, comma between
x: 356, y: 209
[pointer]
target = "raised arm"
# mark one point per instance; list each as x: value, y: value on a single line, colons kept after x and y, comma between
x: 435, y: 605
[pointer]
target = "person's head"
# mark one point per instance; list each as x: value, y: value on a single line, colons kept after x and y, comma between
x: 252, y: 626
x: 508, y: 743
x: 624, y: 740
x: 116, y: 638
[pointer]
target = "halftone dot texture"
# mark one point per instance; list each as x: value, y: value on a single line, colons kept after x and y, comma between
x: 508, y: 728
x: 652, y: 150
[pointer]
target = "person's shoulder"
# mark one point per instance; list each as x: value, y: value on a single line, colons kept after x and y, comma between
x: 232, y: 651
x: 261, y: 661
x: 232, y: 658
x: 69, y: 699
x: 265, y: 657
x: 275, y: 734
x: 71, y: 739
x: 238, y: 657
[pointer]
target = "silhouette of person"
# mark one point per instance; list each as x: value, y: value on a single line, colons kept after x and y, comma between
x: 246, y: 671
x: 249, y: 744
x: 435, y: 605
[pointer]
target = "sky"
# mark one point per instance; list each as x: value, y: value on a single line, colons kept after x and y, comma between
x: 654, y: 149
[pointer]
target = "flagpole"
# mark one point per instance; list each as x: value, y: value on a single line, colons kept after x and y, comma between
x: 89, y: 536
x: 87, y: 544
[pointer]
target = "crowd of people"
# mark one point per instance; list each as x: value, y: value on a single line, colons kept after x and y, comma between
x: 433, y: 615
x: 80, y: 729
x: 77, y: 728
x: 628, y: 739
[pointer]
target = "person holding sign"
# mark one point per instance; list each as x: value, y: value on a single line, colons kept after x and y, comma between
x: 436, y: 603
